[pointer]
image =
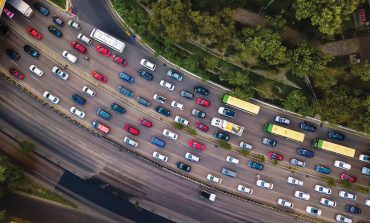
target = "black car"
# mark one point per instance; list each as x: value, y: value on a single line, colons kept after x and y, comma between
x: 223, y: 136
x: 307, y: 127
x: 305, y: 152
x: 352, y: 209
x: 44, y: 11
x: 55, y: 31
x: 201, y: 90
x: 163, y: 111
x: 118, y: 108
x: 255, y: 165
x: 146, y: 75
x: 187, y: 95
x: 78, y: 99
x: 58, y: 21
x: 198, y: 113
x: 31, y: 51
x: 336, y: 135
x: 12, y: 54
x: 226, y: 112
x: 183, y: 166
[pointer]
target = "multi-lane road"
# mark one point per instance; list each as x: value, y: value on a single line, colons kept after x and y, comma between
x: 211, y: 160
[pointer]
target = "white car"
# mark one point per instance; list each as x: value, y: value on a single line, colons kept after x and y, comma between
x: 159, y: 98
x: 159, y: 156
x: 367, y: 202
x: 301, y: 195
x: 61, y: 74
x: 213, y: 178
x: 264, y: 184
x: 36, y: 70
x: 51, y: 97
x: 285, y: 203
x: 365, y: 158
x: 342, y: 165
x: 147, y: 64
x: 182, y: 121
x: 74, y: 25
x: 244, y: 189
x: 231, y: 159
x: 282, y: 120
x: 170, y: 134
x: 313, y: 210
x: 328, y: 202
x: 77, y: 112
x: 294, y: 181
x: 70, y: 57
x: 131, y: 142
x: 245, y: 145
x: 322, y: 189
x: 342, y: 218
x: 167, y: 85
x: 177, y: 105
x: 84, y: 39
x: 347, y: 195
x: 88, y: 91
x: 191, y: 157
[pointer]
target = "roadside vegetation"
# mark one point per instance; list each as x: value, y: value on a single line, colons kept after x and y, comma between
x: 60, y: 3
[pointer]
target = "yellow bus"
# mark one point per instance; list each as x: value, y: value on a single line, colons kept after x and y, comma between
x: 240, y: 104
x: 281, y: 131
x: 332, y: 147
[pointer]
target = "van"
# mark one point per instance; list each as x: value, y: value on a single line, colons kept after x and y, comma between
x: 131, y: 142
x: 69, y: 56
x: 156, y: 141
x: 84, y: 39
x: 103, y: 114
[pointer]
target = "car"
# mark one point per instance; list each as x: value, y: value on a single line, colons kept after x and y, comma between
x: 187, y: 95
x: 227, y: 172
x: 207, y: 195
x: 182, y: 121
x: 342, y: 165
x: 84, y: 39
x: 100, y: 126
x: 191, y: 157
x: 128, y: 78
x: 201, y: 126
x: 103, y: 114
x: 159, y: 98
x: 343, y: 219
x: 131, y: 129
x: 350, y: 178
x: 231, y: 159
x: 201, y: 90
x: 196, y: 145
x: 158, y: 142
x: 59, y: 73
x: 55, y: 31
x: 203, y: 102
x: 51, y: 97
x: 119, y: 60
x: 322, y: 189
x: 74, y: 25
x: 174, y: 75
x: 298, y: 162
x: 352, y: 209
x: 301, y: 195
x: 8, y: 13
x: 264, y: 184
x: 13, y: 54
x: 275, y: 156
x: 177, y: 105
x: 146, y: 75
x: 33, y: 32
x: 88, y: 91
x: 322, y: 169
x: 183, y: 166
x: 163, y: 111
x: 70, y: 57
x: 285, y: 203
x: 76, y: 45
x: 124, y: 91
x: 244, y: 189
x: 198, y: 113
x: 223, y: 136
x: 305, y: 152
x: 131, y: 142
x: 367, y: 202
x: 77, y: 112
x: 336, y: 135
x: 255, y: 165
x: 118, y: 108
x: 170, y: 134
x: 41, y: 8
x: 294, y: 181
x: 328, y: 202
x: 313, y: 210
x: 159, y: 156
x: 31, y: 51
x: 307, y: 127
x: 16, y: 73
x: 36, y: 70
x: 282, y: 120
x: 58, y: 21
x: 213, y: 178
x: 245, y: 145
x: 145, y: 123
x: 365, y: 170
x: 226, y: 112
x: 147, y: 64
x: 269, y: 142
x: 347, y: 195
x: 364, y: 157
x: 102, y: 50
x: 167, y: 85
x: 78, y: 99
x: 100, y: 77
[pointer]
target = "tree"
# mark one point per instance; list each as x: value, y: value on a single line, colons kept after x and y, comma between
x: 4, y: 217
x: 9, y: 175
x: 276, y: 23
x: 362, y: 122
x: 327, y: 79
x: 297, y: 102
x: 330, y: 181
x: 225, y: 145
x: 243, y: 94
x: 211, y: 63
x: 265, y: 89
x: 27, y: 147
x: 178, y: 125
x: 362, y: 71
x: 239, y: 79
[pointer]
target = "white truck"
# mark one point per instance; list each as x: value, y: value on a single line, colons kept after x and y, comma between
x: 227, y: 126
x: 21, y: 6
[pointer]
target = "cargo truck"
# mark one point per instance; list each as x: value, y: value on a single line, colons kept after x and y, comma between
x: 21, y: 6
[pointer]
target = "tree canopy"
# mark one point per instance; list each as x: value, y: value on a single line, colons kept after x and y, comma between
x: 297, y: 102
x: 9, y: 175
x: 362, y: 71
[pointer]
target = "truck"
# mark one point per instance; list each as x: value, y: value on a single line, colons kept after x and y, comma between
x: 227, y: 126
x: 100, y: 126
x: 21, y: 6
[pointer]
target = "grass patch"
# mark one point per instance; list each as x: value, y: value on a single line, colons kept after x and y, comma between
x: 60, y: 3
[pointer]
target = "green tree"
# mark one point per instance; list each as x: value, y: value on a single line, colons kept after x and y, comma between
x: 276, y: 23
x: 239, y: 79
x: 265, y: 89
x: 297, y: 102
x: 9, y: 175
x: 362, y: 122
x: 244, y: 152
x: 362, y: 71
x: 330, y: 181
x: 327, y: 79
x: 223, y: 144
x: 212, y: 63
x: 345, y: 184
x: 177, y: 125
x: 27, y: 147
x: 243, y: 94
x: 4, y: 217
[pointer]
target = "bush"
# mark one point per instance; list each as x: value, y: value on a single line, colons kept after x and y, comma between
x: 275, y: 162
x: 178, y: 125
x: 225, y: 145
x: 261, y: 158
x: 362, y: 189
x: 27, y: 147
x: 244, y: 152
x: 345, y: 184
x: 191, y: 131
x: 330, y: 181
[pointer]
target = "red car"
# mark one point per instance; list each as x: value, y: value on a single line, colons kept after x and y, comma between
x: 196, y: 145
x: 119, y: 60
x: 132, y: 130
x: 201, y: 126
x: 145, y: 123
x: 203, y: 102
x: 103, y: 50
x: 351, y: 179
x: 275, y: 156
x: 16, y: 73
x: 34, y: 32
x: 99, y: 76
x: 78, y: 47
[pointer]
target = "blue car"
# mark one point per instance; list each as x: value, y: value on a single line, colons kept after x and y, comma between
x: 39, y: 7
x: 78, y: 99
x: 255, y: 165
x: 126, y: 77
x: 305, y: 152
x: 118, y: 108
x: 103, y: 114
x: 336, y: 135
x: 352, y: 209
x: 322, y: 169
x: 163, y: 111
x: 307, y: 127
x: 223, y: 136
x: 31, y: 51
x: 143, y: 101
x: 55, y: 31
x: 146, y: 75
x: 125, y: 91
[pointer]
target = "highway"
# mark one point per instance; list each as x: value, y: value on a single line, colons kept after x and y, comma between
x: 212, y: 160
